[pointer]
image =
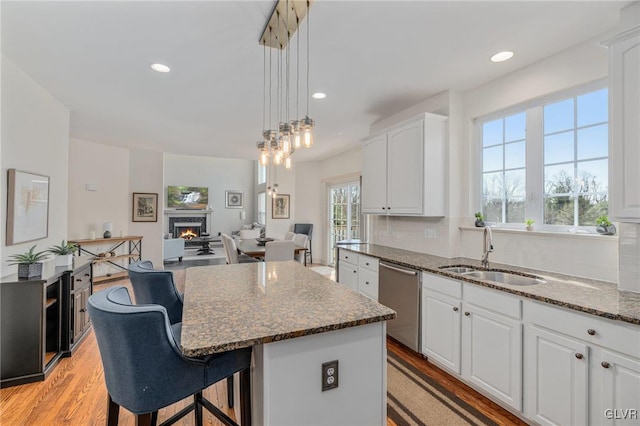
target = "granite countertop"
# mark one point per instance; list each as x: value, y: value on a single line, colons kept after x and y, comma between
x: 581, y: 294
x: 234, y: 306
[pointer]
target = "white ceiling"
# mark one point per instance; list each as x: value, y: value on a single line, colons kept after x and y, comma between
x: 372, y: 58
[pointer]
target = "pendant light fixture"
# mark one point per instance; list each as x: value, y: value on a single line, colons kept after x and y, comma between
x: 277, y: 146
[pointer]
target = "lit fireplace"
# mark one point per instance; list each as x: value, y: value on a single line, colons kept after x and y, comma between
x: 188, y: 234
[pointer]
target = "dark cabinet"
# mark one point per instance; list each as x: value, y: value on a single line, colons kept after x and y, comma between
x: 42, y: 320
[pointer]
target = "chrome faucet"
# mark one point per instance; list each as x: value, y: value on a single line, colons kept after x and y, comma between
x: 487, y: 246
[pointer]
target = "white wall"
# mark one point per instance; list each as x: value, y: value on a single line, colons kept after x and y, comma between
x: 107, y: 169
x: 313, y: 179
x: 35, y: 138
x: 146, y: 170
x: 219, y: 175
x: 286, y: 180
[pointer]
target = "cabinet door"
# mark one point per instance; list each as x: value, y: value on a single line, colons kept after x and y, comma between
x: 441, y: 329
x: 374, y: 175
x: 556, y: 375
x: 405, y: 161
x: 77, y: 315
x: 348, y: 276
x: 368, y: 283
x: 86, y: 292
x: 624, y: 135
x: 492, y: 348
x: 619, y: 383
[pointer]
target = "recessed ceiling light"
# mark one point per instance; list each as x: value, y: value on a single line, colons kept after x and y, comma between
x: 319, y: 95
x: 160, y: 68
x: 502, y: 56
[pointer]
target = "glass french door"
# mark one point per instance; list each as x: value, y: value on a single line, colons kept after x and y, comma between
x: 344, y: 215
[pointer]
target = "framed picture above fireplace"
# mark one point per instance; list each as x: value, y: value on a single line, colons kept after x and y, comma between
x: 234, y: 199
x: 145, y: 207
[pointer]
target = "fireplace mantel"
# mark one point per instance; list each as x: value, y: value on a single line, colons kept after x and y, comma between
x: 186, y: 212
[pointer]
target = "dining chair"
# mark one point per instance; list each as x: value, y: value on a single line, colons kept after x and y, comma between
x: 279, y: 250
x: 231, y: 251
x: 157, y: 287
x: 128, y: 335
x: 301, y: 240
x: 246, y: 234
x: 307, y: 229
x: 289, y: 236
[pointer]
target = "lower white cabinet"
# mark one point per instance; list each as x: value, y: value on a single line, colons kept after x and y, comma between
x: 348, y: 275
x: 556, y: 374
x: 441, y: 329
x: 492, y: 353
x: 580, y: 369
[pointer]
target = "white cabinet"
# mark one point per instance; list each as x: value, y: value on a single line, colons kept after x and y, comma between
x: 478, y: 337
x: 580, y: 369
x: 358, y: 272
x: 441, y: 329
x: 624, y: 126
x: 556, y: 378
x: 403, y: 170
x: 492, y: 348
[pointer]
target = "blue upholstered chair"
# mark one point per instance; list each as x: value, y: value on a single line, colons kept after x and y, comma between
x: 151, y: 286
x: 307, y: 229
x: 144, y: 369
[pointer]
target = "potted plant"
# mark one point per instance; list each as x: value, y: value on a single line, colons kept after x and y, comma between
x: 529, y: 224
x: 64, y: 253
x: 605, y: 227
x: 29, y: 263
x: 479, y: 220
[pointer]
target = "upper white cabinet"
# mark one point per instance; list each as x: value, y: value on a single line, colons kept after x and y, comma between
x: 624, y: 130
x: 403, y: 170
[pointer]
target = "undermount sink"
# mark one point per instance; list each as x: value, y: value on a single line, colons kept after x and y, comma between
x: 504, y: 277
x: 458, y: 269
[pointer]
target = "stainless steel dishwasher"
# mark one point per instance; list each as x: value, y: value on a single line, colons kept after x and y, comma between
x: 400, y: 290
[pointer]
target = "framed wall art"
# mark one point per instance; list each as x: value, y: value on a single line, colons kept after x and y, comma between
x: 280, y: 207
x: 27, y: 207
x: 234, y: 199
x: 145, y: 207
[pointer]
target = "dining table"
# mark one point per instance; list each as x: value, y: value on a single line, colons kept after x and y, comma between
x: 252, y: 248
x: 319, y: 348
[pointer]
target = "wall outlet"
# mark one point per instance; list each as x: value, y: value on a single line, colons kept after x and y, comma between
x: 430, y: 233
x: 329, y: 375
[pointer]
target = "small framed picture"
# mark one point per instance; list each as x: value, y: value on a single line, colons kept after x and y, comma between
x: 145, y: 207
x: 280, y: 208
x: 27, y: 206
x: 234, y: 199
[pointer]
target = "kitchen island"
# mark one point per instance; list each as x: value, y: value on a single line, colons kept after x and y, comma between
x: 296, y: 320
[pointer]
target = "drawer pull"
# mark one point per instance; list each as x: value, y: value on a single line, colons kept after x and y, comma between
x: 83, y: 310
x: 455, y: 309
x: 605, y: 364
x: 467, y: 314
x: 591, y: 332
x: 579, y: 355
x: 78, y: 279
x: 86, y: 275
x: 354, y: 272
x: 383, y: 208
x: 367, y: 263
x: 346, y: 257
x: 366, y: 282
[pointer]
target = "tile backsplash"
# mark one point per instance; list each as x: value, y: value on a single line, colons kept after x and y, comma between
x: 629, y: 260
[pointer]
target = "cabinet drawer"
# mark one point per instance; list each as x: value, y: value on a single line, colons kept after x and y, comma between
x: 493, y: 300
x: 368, y: 262
x: 368, y: 283
x: 442, y: 285
x: 348, y: 257
x: 80, y: 279
x: 615, y: 335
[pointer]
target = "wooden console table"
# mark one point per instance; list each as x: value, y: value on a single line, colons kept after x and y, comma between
x: 134, y: 254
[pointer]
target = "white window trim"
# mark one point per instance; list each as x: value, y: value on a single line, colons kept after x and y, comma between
x: 534, y: 208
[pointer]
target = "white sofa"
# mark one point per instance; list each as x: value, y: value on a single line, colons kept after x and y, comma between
x: 172, y: 248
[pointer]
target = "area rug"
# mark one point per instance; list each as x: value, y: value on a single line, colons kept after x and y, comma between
x: 413, y: 398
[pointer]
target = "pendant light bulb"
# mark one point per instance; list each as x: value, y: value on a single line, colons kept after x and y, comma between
x: 277, y: 158
x: 287, y: 163
x: 308, y: 138
x: 264, y: 158
x: 297, y: 141
x: 286, y: 145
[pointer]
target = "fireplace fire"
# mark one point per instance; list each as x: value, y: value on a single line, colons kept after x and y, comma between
x: 188, y: 234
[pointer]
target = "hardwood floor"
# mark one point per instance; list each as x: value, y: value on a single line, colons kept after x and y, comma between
x: 75, y: 393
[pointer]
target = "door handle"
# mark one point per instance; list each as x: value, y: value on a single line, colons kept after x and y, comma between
x: 403, y: 271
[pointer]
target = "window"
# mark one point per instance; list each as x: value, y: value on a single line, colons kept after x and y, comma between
x: 555, y: 174
x: 344, y: 214
x: 262, y: 174
x: 262, y: 207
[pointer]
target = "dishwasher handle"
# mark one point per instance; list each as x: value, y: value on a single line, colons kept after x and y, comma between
x: 404, y: 271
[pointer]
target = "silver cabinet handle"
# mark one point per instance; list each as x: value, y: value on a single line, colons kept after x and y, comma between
x: 455, y: 309
x: 605, y: 364
x: 591, y: 332
x: 579, y: 355
x: 404, y: 271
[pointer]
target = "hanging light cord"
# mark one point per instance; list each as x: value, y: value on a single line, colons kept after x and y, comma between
x: 297, y: 68
x: 308, y: 48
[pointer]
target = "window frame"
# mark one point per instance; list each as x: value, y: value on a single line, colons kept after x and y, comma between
x: 534, y: 164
